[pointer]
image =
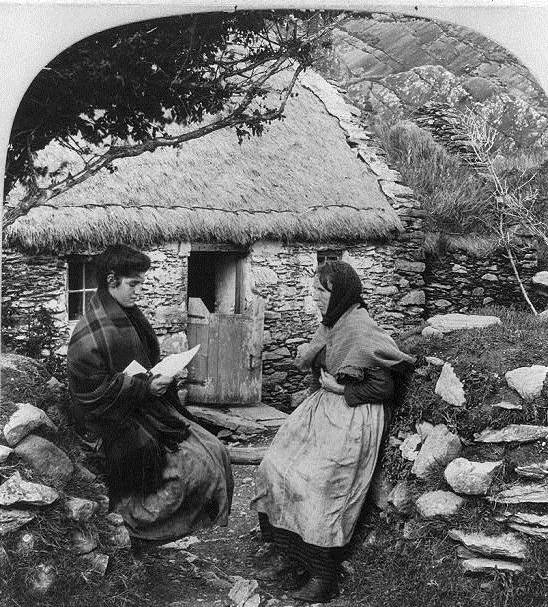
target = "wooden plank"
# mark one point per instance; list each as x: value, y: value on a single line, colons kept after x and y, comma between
x: 222, y: 419
x: 246, y: 455
x: 220, y: 247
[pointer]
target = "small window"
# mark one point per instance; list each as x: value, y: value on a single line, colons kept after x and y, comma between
x: 329, y: 255
x: 81, y: 285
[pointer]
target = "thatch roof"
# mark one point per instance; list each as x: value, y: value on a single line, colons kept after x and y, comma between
x: 300, y: 181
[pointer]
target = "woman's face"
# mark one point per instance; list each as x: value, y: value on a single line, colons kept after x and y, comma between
x: 127, y: 290
x: 321, y: 295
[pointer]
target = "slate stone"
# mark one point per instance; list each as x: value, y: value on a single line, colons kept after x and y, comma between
x: 409, y: 447
x: 439, y: 504
x: 5, y: 453
x: 96, y: 562
x: 541, y: 532
x: 26, y: 419
x: 514, y: 433
x: 527, y: 381
x: 446, y: 323
x: 471, y: 478
x: 18, y: 491
x: 523, y: 494
x: 439, y: 448
x: 450, y: 387
x: 537, y: 471
x: 46, y: 459
x: 479, y: 565
x: 508, y: 545
x: 524, y: 518
x: 13, y: 519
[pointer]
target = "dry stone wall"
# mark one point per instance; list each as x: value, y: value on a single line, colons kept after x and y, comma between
x: 459, y: 281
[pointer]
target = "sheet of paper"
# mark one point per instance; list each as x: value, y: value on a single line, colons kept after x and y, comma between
x: 134, y: 368
x: 174, y: 363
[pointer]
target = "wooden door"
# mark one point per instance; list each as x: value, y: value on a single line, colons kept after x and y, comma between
x: 228, y: 367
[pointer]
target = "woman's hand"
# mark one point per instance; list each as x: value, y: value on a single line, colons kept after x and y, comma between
x: 329, y: 383
x: 159, y: 384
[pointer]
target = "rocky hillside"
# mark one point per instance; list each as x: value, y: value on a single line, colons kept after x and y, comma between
x: 395, y: 66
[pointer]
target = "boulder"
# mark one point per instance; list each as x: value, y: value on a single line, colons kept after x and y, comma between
x: 440, y: 447
x: 409, y: 447
x: 80, y: 510
x: 446, y: 323
x: 450, y: 387
x: 508, y: 545
x: 5, y: 453
x: 478, y: 565
x: 13, y: 519
x: 45, y: 458
x: 523, y: 494
x: 26, y: 419
x: 514, y: 433
x: 471, y: 478
x: 18, y: 491
x: 527, y: 381
x: 439, y: 503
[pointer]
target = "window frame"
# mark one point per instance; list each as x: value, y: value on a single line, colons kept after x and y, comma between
x: 85, y: 293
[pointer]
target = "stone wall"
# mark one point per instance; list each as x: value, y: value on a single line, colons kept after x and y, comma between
x: 282, y: 274
x: 31, y: 282
x: 458, y: 280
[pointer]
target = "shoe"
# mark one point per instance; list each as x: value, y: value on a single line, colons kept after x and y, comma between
x: 317, y: 590
x: 280, y: 567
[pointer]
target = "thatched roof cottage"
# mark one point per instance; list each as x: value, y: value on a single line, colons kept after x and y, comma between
x: 226, y: 224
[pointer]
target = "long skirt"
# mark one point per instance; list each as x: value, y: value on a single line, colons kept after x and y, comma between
x: 197, y: 492
x: 314, y: 478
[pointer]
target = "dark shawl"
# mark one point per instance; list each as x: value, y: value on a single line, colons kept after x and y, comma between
x: 346, y: 291
x: 135, y: 426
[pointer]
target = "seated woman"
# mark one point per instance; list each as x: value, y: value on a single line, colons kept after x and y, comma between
x: 166, y: 475
x: 313, y: 480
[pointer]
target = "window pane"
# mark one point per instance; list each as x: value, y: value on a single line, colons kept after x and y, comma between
x: 75, y: 275
x: 75, y: 305
x: 90, y: 278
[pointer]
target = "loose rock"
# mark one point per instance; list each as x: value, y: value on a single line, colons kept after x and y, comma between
x: 431, y: 332
x: 446, y: 323
x: 400, y: 497
x: 4, y: 453
x: 83, y: 542
x: 97, y: 563
x: 26, y: 419
x: 450, y: 387
x: 45, y: 458
x: 538, y: 471
x: 439, y: 448
x: 244, y: 593
x: 523, y: 494
x: 514, y: 433
x: 484, y: 565
x: 25, y: 545
x: 527, y: 381
x: 80, y: 510
x: 409, y: 447
x: 541, y: 532
x: 524, y: 518
x: 424, y: 429
x: 471, y: 478
x: 18, y: 491
x: 508, y: 545
x: 439, y: 503
x: 11, y: 520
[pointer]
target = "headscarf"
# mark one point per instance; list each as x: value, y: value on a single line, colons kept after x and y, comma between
x: 345, y: 288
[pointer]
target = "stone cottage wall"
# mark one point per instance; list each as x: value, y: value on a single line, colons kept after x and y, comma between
x: 32, y: 282
x: 459, y: 281
x: 283, y: 275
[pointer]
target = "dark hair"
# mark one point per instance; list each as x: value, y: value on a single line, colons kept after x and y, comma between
x: 119, y: 260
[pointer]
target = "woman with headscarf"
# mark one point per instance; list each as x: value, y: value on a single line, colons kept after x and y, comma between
x: 314, y: 478
x: 166, y: 475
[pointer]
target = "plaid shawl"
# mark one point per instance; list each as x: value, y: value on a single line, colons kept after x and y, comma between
x: 354, y: 343
x: 135, y: 426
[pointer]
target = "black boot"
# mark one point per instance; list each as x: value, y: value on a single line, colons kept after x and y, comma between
x: 317, y: 590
